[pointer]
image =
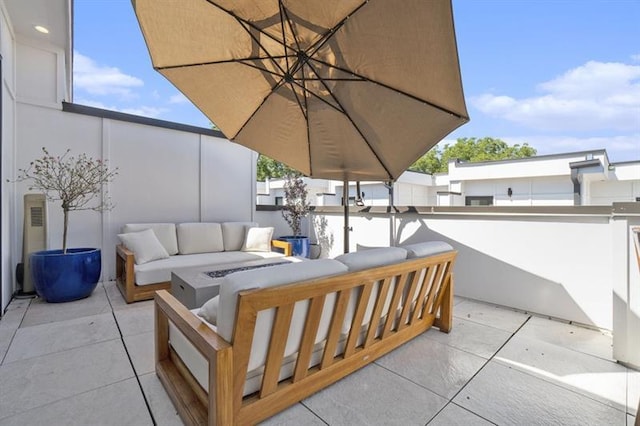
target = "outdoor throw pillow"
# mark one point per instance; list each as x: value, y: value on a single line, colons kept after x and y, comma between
x: 209, y: 311
x: 258, y: 239
x: 144, y: 245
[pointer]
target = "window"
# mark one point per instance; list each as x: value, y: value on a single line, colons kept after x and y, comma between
x: 279, y: 201
x: 478, y: 201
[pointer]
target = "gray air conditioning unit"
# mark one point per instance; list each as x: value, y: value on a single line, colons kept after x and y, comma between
x: 34, y: 237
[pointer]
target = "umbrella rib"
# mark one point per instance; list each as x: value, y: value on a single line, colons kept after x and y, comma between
x: 355, y: 126
x: 363, y: 78
x: 226, y: 61
x: 248, y: 23
x: 302, y: 109
x: 249, y: 64
x: 271, y: 57
x: 326, y: 36
x: 290, y: 25
x: 284, y: 38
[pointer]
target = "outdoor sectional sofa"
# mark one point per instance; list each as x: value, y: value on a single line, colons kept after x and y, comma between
x: 276, y: 335
x: 150, y: 251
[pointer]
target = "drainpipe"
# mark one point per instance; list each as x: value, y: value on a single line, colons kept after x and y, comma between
x: 576, y: 187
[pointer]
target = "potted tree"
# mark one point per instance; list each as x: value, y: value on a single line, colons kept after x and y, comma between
x: 69, y: 273
x: 295, y: 208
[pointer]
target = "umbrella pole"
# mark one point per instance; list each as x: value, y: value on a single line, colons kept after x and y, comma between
x: 345, y: 204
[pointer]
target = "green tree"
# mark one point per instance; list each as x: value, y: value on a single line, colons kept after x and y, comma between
x: 471, y: 150
x: 270, y: 168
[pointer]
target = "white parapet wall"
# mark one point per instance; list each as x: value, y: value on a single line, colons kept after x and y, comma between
x: 571, y: 263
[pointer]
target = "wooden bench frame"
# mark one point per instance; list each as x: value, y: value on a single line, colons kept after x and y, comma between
x: 224, y: 404
x: 132, y: 292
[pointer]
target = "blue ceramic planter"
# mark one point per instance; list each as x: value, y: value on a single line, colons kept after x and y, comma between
x: 299, y: 245
x: 61, y: 277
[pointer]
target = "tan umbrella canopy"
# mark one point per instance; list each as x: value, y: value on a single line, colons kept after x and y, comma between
x: 338, y: 89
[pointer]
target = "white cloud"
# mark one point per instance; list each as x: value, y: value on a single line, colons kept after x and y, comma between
x: 593, y: 96
x: 178, y: 98
x: 636, y: 57
x: 145, y: 111
x: 102, y: 80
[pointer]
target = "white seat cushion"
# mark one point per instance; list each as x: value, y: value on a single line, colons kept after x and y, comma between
x: 232, y: 284
x: 166, y: 233
x: 199, y: 237
x: 233, y: 234
x: 144, y: 245
x: 160, y: 270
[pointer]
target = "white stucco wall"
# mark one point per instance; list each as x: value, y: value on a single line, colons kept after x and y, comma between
x: 559, y: 266
x: 164, y: 175
x: 7, y: 156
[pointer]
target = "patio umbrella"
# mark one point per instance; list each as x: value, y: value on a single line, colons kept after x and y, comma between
x: 337, y: 89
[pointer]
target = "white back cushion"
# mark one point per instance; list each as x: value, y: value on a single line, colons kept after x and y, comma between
x: 427, y: 248
x: 199, y: 237
x: 144, y: 245
x: 233, y: 234
x: 166, y: 233
x: 373, y: 257
x: 258, y: 239
x: 366, y: 259
x: 271, y: 277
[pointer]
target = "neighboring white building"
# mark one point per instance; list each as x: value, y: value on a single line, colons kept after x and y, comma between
x: 411, y: 189
x: 575, y: 178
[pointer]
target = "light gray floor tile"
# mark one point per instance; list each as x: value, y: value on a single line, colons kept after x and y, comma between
x: 13, y: 316
x: 162, y: 408
x: 633, y: 391
x: 440, y: 368
x: 471, y: 337
x: 505, y: 395
x: 631, y: 420
x: 581, y: 339
x: 54, y: 337
x: 117, y: 301
x: 457, y: 300
x: 491, y: 315
x: 453, y: 415
x: 375, y: 396
x: 5, y: 340
x: 142, y: 351
x: 41, y: 312
x: 113, y: 405
x: 585, y: 374
x: 135, y: 321
x: 38, y: 381
x: 294, y: 416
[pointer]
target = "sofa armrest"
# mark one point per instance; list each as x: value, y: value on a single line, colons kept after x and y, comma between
x: 125, y: 276
x: 282, y: 245
x: 216, y: 350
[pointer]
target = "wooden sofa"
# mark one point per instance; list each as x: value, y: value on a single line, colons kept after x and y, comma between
x: 418, y: 290
x: 168, y: 237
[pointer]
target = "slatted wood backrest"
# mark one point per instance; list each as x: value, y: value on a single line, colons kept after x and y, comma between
x: 422, y: 282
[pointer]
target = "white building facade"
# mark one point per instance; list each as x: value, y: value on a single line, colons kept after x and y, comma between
x: 584, y: 178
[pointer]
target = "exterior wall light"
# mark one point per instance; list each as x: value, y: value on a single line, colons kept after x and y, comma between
x: 509, y: 192
x: 41, y: 29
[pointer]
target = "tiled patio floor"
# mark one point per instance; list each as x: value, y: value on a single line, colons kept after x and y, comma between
x: 90, y: 362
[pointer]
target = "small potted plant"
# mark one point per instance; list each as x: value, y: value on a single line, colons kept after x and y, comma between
x: 295, y: 208
x: 77, y: 182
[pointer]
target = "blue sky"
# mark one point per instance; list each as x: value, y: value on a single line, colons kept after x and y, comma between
x: 561, y: 75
